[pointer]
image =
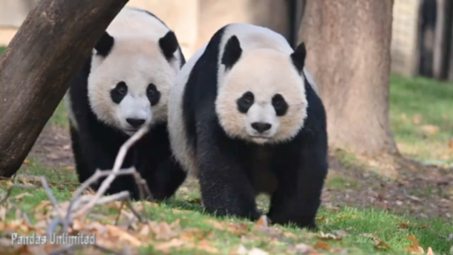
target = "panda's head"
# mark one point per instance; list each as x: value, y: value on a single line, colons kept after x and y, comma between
x: 261, y: 95
x: 130, y: 80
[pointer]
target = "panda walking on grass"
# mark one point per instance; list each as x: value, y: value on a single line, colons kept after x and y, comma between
x: 123, y: 86
x: 244, y: 118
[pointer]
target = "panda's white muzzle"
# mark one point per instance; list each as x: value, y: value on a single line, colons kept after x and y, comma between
x: 133, y: 113
x: 261, y: 122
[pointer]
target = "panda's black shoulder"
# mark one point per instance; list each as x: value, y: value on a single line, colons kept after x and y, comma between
x: 200, y: 89
x: 315, y: 122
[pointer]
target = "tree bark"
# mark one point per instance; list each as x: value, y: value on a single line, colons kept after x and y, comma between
x: 348, y: 52
x: 35, y: 69
x: 450, y: 49
x: 442, y: 31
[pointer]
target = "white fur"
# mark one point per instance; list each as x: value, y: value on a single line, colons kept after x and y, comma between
x: 137, y: 60
x: 177, y: 132
x: 71, y: 116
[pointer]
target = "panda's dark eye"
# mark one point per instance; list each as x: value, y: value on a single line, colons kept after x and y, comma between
x: 121, y: 88
x: 279, y: 104
x: 117, y: 94
x: 153, y: 94
x: 245, y: 101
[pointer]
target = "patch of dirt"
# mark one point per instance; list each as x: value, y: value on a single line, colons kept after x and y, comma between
x: 419, y: 190
x: 53, y: 147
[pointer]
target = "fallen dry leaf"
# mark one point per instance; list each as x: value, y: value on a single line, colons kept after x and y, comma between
x: 23, y: 195
x: 115, y: 231
x: 261, y: 224
x: 430, y: 251
x: 302, y: 248
x: 2, y: 213
x: 263, y: 221
x: 381, y: 245
x: 241, y: 250
x: 195, y: 201
x: 328, y: 236
x: 450, y: 145
x: 346, y: 216
x: 322, y: 245
x: 204, y: 245
x: 26, y: 161
x: 168, y: 245
x: 430, y: 129
x: 417, y: 119
x: 257, y: 251
x: 404, y: 225
x: 42, y: 205
x: 234, y: 228
x: 162, y: 230
x: 423, y: 226
x: 144, y: 231
x: 414, y: 248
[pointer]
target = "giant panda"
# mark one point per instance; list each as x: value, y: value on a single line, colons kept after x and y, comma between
x: 244, y: 119
x: 124, y: 85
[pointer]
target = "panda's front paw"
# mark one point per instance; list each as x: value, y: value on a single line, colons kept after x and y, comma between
x: 250, y: 212
x: 300, y: 221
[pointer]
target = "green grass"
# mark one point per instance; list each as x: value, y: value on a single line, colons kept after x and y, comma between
x: 416, y: 103
x: 357, y: 226
x: 2, y: 49
x: 60, y: 116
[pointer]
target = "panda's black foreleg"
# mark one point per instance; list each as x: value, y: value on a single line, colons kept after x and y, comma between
x: 225, y: 188
x: 82, y: 169
x: 302, y: 175
x: 164, y: 181
x: 92, y: 155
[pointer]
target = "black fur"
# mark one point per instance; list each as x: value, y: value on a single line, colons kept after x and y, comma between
x: 232, y: 52
x: 168, y: 44
x: 95, y: 146
x: 298, y: 57
x: 104, y: 44
x: 181, y: 56
x: 227, y: 179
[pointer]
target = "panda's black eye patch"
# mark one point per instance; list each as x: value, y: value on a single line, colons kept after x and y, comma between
x: 245, y: 101
x: 119, y: 92
x: 279, y: 104
x: 153, y: 94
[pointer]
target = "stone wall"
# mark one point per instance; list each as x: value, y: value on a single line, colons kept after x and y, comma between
x: 404, y: 47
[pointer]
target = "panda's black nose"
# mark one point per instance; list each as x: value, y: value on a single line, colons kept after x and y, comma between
x: 135, y: 122
x: 261, y: 126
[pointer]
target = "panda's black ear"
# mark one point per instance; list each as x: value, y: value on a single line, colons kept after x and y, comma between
x: 104, y: 44
x: 168, y: 44
x: 298, y: 56
x: 232, y: 52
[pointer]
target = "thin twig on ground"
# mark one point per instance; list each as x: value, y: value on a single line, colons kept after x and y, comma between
x: 117, y: 219
x: 49, y: 192
x: 116, y: 168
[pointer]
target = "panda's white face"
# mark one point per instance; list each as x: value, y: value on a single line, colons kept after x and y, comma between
x: 262, y: 98
x: 129, y: 88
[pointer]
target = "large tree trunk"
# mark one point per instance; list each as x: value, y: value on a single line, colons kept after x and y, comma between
x: 348, y: 52
x: 44, y: 55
